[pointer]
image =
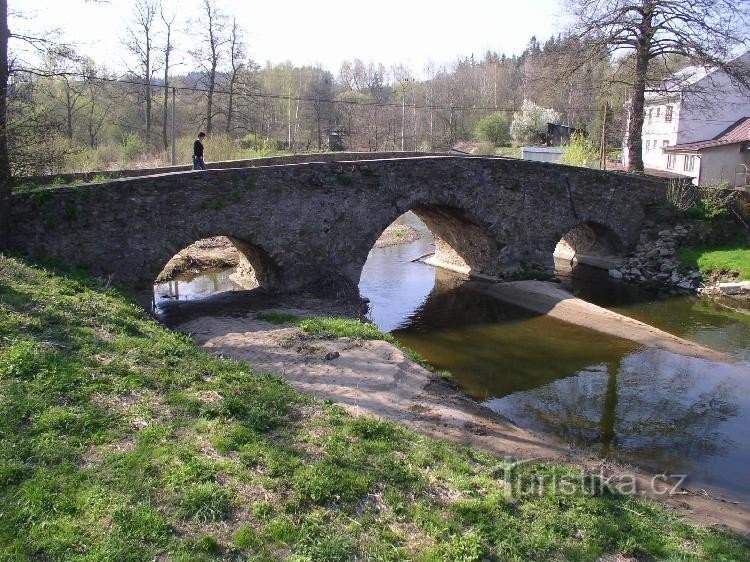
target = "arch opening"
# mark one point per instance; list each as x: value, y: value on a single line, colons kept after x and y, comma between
x: 461, y: 243
x: 396, y: 278
x: 214, y: 265
x: 589, y: 243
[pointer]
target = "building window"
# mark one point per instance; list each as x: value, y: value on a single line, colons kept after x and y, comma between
x: 671, y: 158
x: 668, y: 114
x: 650, y: 112
x: 648, y: 145
x: 665, y: 143
x: 658, y: 111
x: 689, y: 163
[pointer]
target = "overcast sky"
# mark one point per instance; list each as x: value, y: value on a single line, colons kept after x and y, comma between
x: 326, y: 32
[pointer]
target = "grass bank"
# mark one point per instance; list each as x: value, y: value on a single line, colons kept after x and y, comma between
x: 712, y: 260
x: 121, y: 440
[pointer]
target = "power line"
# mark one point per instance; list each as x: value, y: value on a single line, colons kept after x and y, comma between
x: 285, y: 97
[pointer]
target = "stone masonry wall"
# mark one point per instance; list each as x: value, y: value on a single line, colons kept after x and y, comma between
x: 310, y: 226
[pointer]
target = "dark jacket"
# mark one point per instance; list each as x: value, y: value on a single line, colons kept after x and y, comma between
x: 198, y: 149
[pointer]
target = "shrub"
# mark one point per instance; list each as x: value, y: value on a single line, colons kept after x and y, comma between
x: 493, y: 128
x: 132, y: 147
x: 580, y: 152
x: 715, y: 199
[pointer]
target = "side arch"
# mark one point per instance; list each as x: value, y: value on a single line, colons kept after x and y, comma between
x: 589, y: 242
x: 256, y: 267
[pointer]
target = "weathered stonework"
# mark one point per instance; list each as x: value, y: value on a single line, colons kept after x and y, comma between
x: 310, y: 226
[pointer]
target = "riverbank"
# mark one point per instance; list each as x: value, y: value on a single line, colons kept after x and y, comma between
x: 123, y: 440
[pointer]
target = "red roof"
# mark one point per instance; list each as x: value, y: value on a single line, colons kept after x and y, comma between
x: 737, y: 133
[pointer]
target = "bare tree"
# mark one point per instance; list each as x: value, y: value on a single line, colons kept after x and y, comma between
x: 5, y: 175
x: 705, y: 32
x: 211, y: 52
x: 140, y: 42
x: 237, y: 65
x: 168, y: 22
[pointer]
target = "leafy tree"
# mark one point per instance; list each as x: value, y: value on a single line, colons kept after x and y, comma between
x: 494, y: 128
x: 530, y: 124
x: 646, y: 33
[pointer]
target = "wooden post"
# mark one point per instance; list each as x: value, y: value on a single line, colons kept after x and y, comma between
x: 603, y: 148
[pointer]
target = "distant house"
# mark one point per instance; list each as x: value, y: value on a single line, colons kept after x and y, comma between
x: 726, y: 157
x: 696, y: 125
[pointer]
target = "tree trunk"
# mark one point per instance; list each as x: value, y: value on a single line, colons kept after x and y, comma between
x: 5, y: 174
x: 69, y: 108
x: 165, y: 109
x: 635, y: 123
x: 210, y: 104
x: 230, y: 104
x: 148, y: 91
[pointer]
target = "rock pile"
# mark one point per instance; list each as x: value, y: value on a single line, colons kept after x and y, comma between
x: 654, y: 261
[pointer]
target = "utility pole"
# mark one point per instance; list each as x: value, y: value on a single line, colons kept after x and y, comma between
x: 174, y: 126
x: 289, y: 120
x: 403, y: 113
x: 603, y: 147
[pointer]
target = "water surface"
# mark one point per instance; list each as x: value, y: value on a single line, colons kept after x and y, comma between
x: 652, y: 408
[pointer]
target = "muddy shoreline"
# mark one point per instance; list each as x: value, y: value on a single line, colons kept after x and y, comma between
x: 375, y: 378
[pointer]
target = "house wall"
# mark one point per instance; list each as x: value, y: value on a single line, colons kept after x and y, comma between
x: 719, y: 163
x: 696, y: 116
x: 704, y: 115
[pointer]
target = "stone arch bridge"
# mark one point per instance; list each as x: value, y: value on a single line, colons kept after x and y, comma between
x: 308, y: 226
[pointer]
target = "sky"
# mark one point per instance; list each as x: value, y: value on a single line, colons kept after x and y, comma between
x: 325, y: 33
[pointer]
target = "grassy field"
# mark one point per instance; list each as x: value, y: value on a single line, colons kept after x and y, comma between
x: 120, y: 440
x: 709, y: 260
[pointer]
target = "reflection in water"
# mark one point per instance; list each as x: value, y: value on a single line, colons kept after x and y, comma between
x: 654, y: 408
x: 396, y: 284
x: 193, y: 287
x: 648, y: 407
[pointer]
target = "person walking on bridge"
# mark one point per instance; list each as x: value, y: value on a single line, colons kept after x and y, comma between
x: 198, y: 163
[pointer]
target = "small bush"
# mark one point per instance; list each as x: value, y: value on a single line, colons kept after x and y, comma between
x: 580, y: 152
x: 494, y: 129
x: 715, y: 200
x: 132, y: 147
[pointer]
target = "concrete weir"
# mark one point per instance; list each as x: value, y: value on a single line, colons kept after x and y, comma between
x: 548, y: 298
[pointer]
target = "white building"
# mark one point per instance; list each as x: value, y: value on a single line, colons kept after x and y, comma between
x: 696, y: 125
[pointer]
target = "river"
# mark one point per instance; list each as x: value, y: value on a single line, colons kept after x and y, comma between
x: 652, y: 408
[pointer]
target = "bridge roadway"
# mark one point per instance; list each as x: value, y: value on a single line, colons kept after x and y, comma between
x: 308, y: 223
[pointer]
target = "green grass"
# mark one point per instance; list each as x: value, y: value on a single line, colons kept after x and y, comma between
x: 709, y: 260
x: 277, y: 317
x: 120, y: 440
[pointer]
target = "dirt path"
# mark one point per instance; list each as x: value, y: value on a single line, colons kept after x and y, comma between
x: 375, y: 378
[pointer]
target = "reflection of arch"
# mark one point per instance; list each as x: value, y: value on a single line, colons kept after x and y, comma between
x: 588, y: 240
x: 255, y: 267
